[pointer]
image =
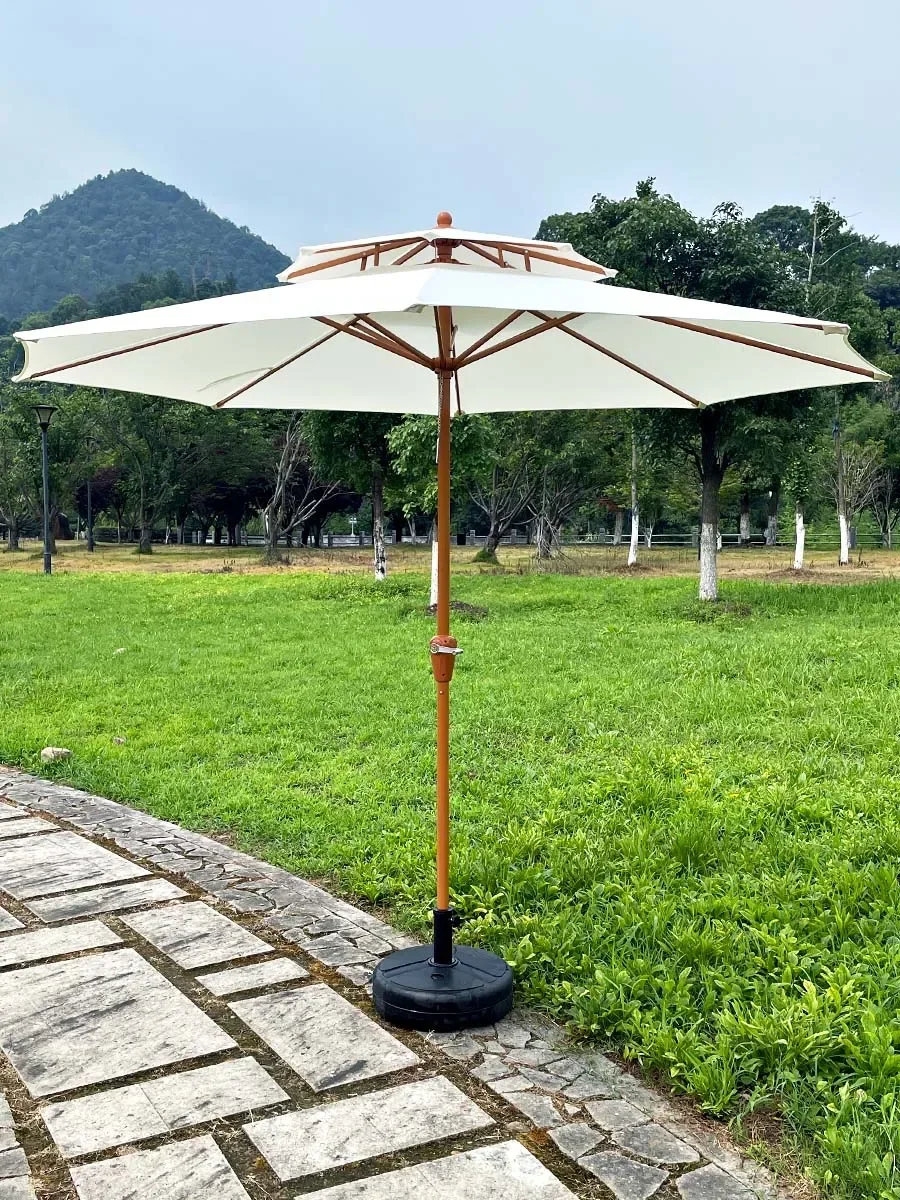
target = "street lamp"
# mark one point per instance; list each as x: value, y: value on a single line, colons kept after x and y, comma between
x: 44, y: 415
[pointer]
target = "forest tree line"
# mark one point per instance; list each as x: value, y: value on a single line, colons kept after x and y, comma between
x: 825, y: 456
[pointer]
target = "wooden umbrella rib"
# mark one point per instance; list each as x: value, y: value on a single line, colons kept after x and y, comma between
x: 486, y: 337
x: 625, y: 362
x: 496, y: 260
x: 756, y: 344
x: 593, y: 268
x: 278, y: 367
x: 160, y: 341
x: 548, y: 323
x: 371, y: 339
x: 389, y: 334
x: 416, y: 249
x: 343, y: 259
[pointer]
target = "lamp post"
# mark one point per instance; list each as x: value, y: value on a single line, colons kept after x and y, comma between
x: 44, y: 415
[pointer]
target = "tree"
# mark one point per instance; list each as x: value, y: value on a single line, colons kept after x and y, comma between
x: 353, y: 448
x: 297, y: 492
x: 658, y: 245
x: 412, y: 444
x: 504, y: 488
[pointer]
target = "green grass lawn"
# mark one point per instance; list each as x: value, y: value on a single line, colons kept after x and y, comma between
x: 681, y: 826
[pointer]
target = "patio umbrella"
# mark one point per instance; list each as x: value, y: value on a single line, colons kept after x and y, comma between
x: 501, y: 324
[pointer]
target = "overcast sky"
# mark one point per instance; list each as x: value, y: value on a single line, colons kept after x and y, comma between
x: 311, y: 121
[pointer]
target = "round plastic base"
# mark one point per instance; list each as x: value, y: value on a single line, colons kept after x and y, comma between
x: 410, y: 990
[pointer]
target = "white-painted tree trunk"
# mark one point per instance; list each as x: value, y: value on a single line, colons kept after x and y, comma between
x: 648, y: 536
x: 617, y: 527
x: 378, y: 546
x: 718, y: 539
x: 434, y: 567
x: 709, y: 579
x: 635, y: 507
x: 799, y: 537
x: 744, y: 528
x: 844, y: 557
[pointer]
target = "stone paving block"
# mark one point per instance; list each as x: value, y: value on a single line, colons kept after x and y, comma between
x: 615, y: 1114
x: 102, y: 1120
x: 335, y: 951
x: 625, y: 1178
x: 587, y: 1087
x: 322, y: 1037
x: 105, y: 899
x: 9, y: 813
x: 13, y: 1163
x: 16, y: 1189
x: 88, y: 1020
x: 195, y: 935
x: 509, y: 1085
x: 362, y: 1127
x: 192, y: 1170
x: 538, y: 1109
x: 46, y: 943
x: 130, y: 1114
x: 508, y: 1033
x: 7, y: 1120
x: 59, y: 862
x: 576, y: 1139
x: 8, y: 921
x: 504, y: 1171
x: 711, y: 1183
x: 208, y: 1093
x: 14, y: 829
x: 491, y: 1069
x: 656, y: 1143
x: 531, y: 1056
x: 259, y: 975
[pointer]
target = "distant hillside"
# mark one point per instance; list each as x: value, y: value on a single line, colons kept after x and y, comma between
x: 116, y: 227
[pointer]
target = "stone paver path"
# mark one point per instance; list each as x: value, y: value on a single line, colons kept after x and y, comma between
x: 179, y: 1021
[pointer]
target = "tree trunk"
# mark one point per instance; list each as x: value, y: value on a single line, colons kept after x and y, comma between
x: 544, y: 538
x: 844, y: 554
x: 179, y: 533
x: 412, y: 530
x: 217, y: 534
x: 12, y: 534
x: 772, y: 514
x: 380, y: 554
x: 202, y: 535
x: 432, y: 599
x: 648, y: 536
x: 635, y: 508
x: 489, y: 549
x: 145, y: 545
x: 744, y: 523
x: 232, y: 533
x: 709, y: 505
x: 617, y: 527
x: 799, y: 536
x: 119, y: 529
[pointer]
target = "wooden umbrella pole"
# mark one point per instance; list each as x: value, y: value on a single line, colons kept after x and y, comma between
x: 443, y: 631
x: 443, y: 647
x: 443, y: 656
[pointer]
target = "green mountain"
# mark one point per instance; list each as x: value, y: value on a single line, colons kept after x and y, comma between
x: 116, y: 227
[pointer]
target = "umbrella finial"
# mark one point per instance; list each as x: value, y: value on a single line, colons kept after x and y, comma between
x: 444, y: 220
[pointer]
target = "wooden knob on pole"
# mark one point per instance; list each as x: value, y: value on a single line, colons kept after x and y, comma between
x: 444, y: 220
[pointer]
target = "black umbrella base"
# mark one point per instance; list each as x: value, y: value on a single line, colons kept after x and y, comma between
x: 410, y: 989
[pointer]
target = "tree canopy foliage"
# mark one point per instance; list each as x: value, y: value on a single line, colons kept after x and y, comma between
x: 159, y: 465
x: 116, y: 227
